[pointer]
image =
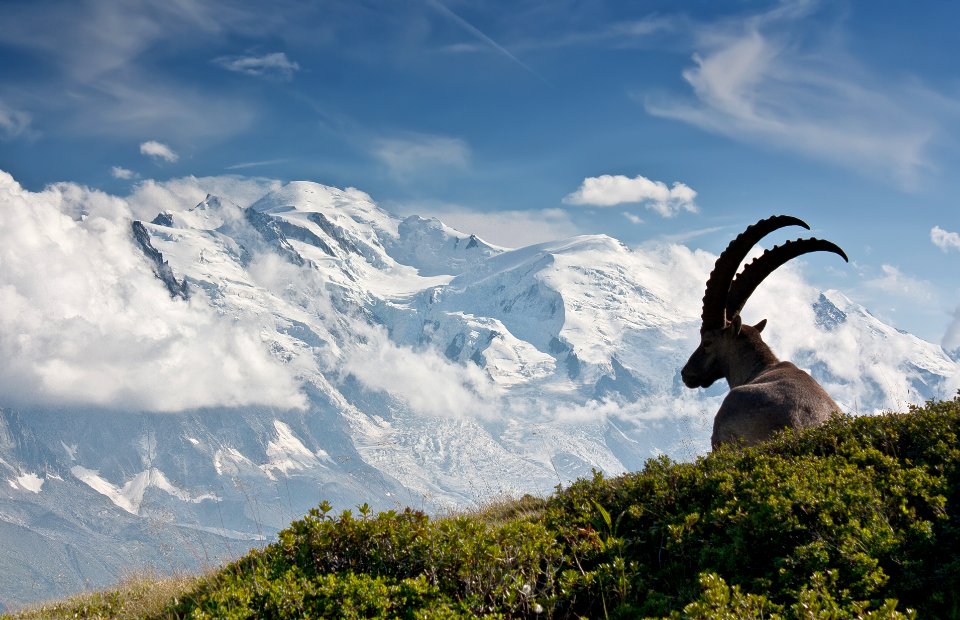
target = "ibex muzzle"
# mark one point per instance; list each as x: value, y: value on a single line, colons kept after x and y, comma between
x: 766, y: 395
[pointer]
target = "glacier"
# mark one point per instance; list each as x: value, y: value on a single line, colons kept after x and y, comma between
x: 352, y: 355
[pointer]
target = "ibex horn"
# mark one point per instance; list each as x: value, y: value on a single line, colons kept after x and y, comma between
x: 718, y: 284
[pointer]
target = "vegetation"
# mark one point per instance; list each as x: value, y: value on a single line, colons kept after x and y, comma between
x: 859, y: 518
x: 142, y: 595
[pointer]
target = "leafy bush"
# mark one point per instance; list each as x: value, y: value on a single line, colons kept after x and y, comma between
x: 859, y: 518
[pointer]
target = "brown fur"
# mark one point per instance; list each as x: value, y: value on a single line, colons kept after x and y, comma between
x: 766, y: 395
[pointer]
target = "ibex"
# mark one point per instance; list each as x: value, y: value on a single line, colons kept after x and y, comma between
x: 766, y: 395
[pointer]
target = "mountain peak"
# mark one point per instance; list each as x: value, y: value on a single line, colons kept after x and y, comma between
x: 437, y: 249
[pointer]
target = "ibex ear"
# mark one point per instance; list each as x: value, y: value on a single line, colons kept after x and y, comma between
x: 735, y: 324
x: 759, y: 326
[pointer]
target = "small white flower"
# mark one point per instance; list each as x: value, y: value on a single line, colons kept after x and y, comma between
x: 538, y: 608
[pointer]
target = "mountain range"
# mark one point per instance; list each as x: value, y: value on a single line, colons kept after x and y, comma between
x: 311, y: 345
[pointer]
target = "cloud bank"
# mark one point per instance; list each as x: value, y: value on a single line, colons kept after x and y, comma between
x: 612, y: 190
x: 83, y: 320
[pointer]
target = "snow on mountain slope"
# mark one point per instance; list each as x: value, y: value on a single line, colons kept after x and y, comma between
x: 420, y: 366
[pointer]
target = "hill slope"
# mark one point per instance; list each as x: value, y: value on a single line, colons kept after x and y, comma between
x: 859, y: 518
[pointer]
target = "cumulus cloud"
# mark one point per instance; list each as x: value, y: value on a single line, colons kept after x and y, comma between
x: 417, y: 153
x: 755, y: 80
x: 13, y: 123
x: 275, y: 64
x: 83, y: 320
x: 610, y: 190
x: 158, y: 150
x: 119, y: 172
x: 945, y: 240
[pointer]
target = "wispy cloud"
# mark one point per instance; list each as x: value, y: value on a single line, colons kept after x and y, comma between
x: 415, y: 153
x: 615, y: 34
x: 689, y: 235
x: 894, y: 282
x: 98, y: 50
x: 158, y: 150
x: 254, y: 164
x: 483, y: 38
x: 510, y: 229
x: 13, y: 123
x: 119, y: 172
x: 611, y: 190
x: 275, y: 64
x: 754, y: 80
x: 945, y: 240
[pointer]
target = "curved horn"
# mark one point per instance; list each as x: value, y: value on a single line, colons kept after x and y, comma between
x: 718, y: 284
x: 765, y: 264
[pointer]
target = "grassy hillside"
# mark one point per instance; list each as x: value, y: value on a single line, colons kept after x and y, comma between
x: 859, y: 518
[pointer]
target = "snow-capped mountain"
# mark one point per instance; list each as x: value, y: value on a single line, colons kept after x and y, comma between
x: 408, y: 364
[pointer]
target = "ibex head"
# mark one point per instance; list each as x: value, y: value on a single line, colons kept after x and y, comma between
x: 723, y: 337
x: 710, y: 361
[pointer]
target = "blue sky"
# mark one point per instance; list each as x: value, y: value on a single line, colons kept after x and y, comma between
x: 526, y: 120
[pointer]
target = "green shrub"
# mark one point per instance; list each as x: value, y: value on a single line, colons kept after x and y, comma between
x: 859, y: 518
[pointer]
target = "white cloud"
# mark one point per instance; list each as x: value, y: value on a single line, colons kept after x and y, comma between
x: 150, y: 197
x: 133, y: 106
x: 158, y: 150
x: 483, y: 37
x: 424, y: 380
x: 945, y: 240
x: 611, y: 190
x: 951, y: 338
x: 83, y: 320
x: 103, y: 86
x: 418, y: 153
x: 509, y: 229
x: 633, y: 218
x: 895, y: 282
x: 255, y: 164
x: 754, y: 81
x: 118, y: 172
x: 13, y: 123
x: 275, y: 64
x: 616, y: 34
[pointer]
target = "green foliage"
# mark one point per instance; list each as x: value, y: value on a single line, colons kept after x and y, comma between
x: 859, y: 518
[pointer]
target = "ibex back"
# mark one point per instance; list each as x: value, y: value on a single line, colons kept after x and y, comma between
x: 766, y: 395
